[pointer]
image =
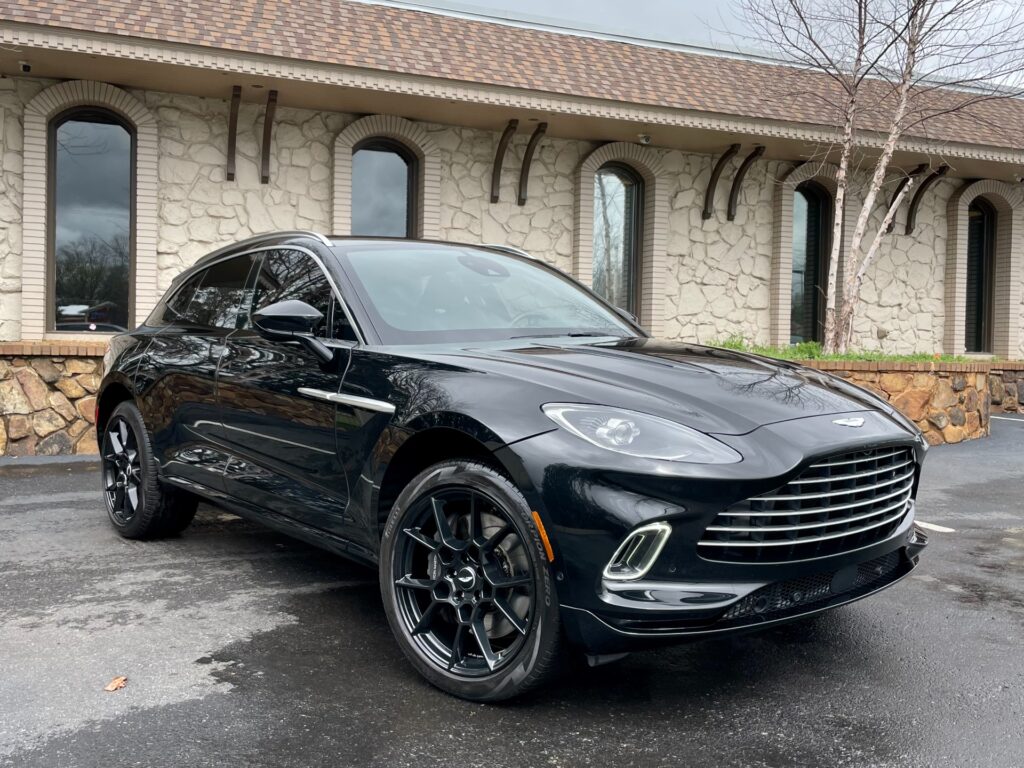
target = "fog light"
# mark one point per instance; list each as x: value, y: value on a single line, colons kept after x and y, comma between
x: 637, y: 553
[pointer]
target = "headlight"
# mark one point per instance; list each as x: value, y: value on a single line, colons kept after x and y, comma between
x: 639, y: 434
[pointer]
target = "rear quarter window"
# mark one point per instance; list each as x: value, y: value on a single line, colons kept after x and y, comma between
x: 173, y: 307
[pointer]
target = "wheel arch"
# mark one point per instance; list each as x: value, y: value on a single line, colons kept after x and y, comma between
x: 114, y: 392
x: 402, y: 454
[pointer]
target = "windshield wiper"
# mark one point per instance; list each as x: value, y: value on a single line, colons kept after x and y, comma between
x: 571, y: 334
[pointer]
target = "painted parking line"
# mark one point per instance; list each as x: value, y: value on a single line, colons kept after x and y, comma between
x: 1008, y: 418
x: 934, y: 527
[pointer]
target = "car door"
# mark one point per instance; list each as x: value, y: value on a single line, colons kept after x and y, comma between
x: 277, y: 421
x: 179, y: 372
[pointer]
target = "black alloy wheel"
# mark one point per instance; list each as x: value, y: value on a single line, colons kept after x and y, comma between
x: 138, y: 505
x: 466, y: 583
x: 122, y: 470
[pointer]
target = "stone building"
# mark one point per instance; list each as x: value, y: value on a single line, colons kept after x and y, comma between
x: 688, y: 188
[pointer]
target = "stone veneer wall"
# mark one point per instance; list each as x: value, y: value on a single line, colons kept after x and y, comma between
x: 715, y: 285
x: 48, y: 398
x: 1006, y: 388
x: 949, y: 402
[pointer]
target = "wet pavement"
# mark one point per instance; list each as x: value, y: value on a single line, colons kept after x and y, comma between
x: 242, y: 647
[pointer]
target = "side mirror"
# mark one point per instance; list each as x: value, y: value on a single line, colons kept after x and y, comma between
x: 292, y: 320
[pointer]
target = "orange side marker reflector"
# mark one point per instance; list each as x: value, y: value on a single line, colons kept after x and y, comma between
x: 544, y: 537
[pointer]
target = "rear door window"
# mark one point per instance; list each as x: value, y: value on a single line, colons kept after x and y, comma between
x: 220, y: 293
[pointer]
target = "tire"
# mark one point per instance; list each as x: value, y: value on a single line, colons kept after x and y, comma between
x: 137, y: 505
x: 485, y: 574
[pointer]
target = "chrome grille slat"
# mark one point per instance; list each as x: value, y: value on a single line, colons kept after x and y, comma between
x: 830, y: 494
x: 806, y: 526
x: 808, y: 540
x: 816, y: 510
x: 818, y: 513
x: 855, y: 461
x: 843, y: 478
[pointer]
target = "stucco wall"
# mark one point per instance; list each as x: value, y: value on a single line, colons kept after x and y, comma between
x: 543, y: 226
x: 715, y: 284
x: 903, y: 307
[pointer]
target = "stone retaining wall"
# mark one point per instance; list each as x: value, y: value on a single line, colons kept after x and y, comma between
x: 949, y: 402
x: 48, y: 398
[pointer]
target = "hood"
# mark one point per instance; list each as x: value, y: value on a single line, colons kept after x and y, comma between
x: 714, y: 390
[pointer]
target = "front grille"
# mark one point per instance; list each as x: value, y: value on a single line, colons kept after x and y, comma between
x: 836, y: 505
x: 805, y: 592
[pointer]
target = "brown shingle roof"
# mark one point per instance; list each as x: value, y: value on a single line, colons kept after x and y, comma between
x: 434, y: 45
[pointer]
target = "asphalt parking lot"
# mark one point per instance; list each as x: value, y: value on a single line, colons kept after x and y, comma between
x: 243, y: 647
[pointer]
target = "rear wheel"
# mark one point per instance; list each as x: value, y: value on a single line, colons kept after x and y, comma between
x: 466, y: 583
x: 138, y: 506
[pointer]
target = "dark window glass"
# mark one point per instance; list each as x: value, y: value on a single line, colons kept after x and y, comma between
x: 618, y: 203
x: 293, y: 275
x: 90, y: 191
x: 216, y: 301
x: 424, y: 293
x: 981, y: 228
x: 341, y: 328
x: 173, y: 308
x: 811, y: 212
x: 383, y: 180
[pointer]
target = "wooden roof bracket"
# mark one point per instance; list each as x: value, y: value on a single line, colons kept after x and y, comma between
x: 236, y: 99
x: 524, y: 174
x: 899, y: 188
x: 930, y: 179
x: 737, y: 182
x: 268, y: 127
x: 499, y: 158
x: 709, y: 193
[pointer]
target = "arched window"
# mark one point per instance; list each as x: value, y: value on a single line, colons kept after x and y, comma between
x: 981, y: 237
x: 812, y: 212
x: 618, y: 224
x: 384, y: 183
x: 91, y: 222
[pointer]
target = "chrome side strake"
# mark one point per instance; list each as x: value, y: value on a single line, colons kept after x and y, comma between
x: 368, y: 403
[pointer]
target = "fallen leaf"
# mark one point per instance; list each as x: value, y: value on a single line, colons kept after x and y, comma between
x: 116, y: 684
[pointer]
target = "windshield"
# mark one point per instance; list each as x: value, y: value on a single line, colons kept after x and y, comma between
x: 419, y: 293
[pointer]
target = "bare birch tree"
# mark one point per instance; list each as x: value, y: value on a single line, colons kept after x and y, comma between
x: 885, y: 70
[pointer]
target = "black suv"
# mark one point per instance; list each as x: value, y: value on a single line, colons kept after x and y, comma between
x: 529, y: 472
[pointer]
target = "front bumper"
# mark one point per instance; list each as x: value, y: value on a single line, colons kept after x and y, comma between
x: 675, y: 612
x: 589, y: 506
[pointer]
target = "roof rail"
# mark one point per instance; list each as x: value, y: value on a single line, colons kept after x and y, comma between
x: 511, y: 249
x: 264, y: 237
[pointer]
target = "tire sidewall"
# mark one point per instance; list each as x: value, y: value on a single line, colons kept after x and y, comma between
x: 544, y: 634
x: 142, y: 522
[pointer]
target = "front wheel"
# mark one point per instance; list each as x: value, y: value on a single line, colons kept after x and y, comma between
x: 466, y: 584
